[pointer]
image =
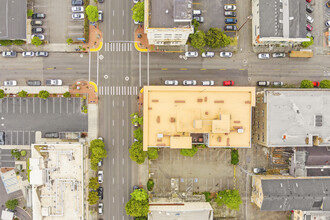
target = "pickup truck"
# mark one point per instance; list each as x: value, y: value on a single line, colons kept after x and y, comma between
x: 53, y: 82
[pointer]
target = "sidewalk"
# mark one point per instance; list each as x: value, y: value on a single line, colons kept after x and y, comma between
x: 85, y: 87
x: 47, y: 47
x: 35, y: 89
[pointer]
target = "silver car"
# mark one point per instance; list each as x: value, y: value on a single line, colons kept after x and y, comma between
x: 78, y: 16
x: 77, y: 9
x: 226, y: 54
x: 263, y: 56
x: 208, y: 83
x: 278, y: 55
x: 171, y: 82
x: 207, y: 54
x: 100, y: 208
x: 9, y: 54
x: 41, y: 36
x: 10, y: 83
x: 191, y: 54
x: 100, y: 176
x: 28, y: 54
x: 229, y: 7
x: 277, y: 83
x: 189, y: 83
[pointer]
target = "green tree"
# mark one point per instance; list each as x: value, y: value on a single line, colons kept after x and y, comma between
x: 98, y: 152
x: 43, y: 94
x: 152, y: 153
x: 69, y: 41
x: 138, y: 12
x: 93, y: 197
x: 234, y: 157
x: 92, y: 13
x: 216, y: 38
x: 136, y: 153
x: 306, y: 84
x: 12, y: 204
x: 22, y: 93
x: 136, y: 119
x: 141, y: 218
x: 136, y: 208
x: 139, y: 195
x: 325, y: 84
x: 138, y: 134
x: 93, y: 183
x: 6, y: 42
x: 16, y: 153
x: 207, y: 196
x: 195, y: 23
x: 230, y: 198
x: 29, y: 12
x: 2, y: 94
x: 150, y: 184
x: 197, y: 40
x: 67, y: 95
x: 308, y: 43
x: 36, y: 41
x: 189, y: 152
x: 23, y: 153
x: 18, y: 42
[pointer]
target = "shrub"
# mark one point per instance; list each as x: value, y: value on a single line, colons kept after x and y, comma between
x: 18, y: 42
x: 308, y: 43
x: 29, y: 12
x: 234, y: 157
x: 84, y: 109
x: 22, y: 93
x: 2, y: 94
x: 6, y: 42
x: 325, y: 84
x: 306, y: 84
x: 152, y: 153
x: 16, y: 153
x: 36, y: 41
x: 67, y: 95
x: 207, y: 196
x: 138, y: 134
x: 69, y: 41
x: 230, y: 198
x: 189, y: 152
x: 150, y: 184
x: 23, y: 153
x: 43, y: 94
x: 28, y: 169
x: 12, y: 204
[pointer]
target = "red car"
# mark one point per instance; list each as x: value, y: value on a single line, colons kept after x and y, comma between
x: 309, y: 27
x: 228, y: 83
x: 309, y: 1
x: 316, y: 84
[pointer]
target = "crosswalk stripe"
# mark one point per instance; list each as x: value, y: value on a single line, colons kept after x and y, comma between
x: 118, y: 90
x: 119, y: 47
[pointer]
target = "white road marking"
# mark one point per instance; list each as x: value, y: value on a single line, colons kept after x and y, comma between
x: 113, y: 180
x: 113, y: 102
x: 47, y: 106
x: 113, y: 12
x: 123, y: 200
x: 122, y: 141
x: 122, y: 123
x: 113, y: 199
x: 123, y: 161
x: 123, y: 31
x: 113, y: 32
x: 113, y: 122
x: 123, y: 180
x: 113, y: 161
x: 97, y: 68
x: 113, y: 142
x: 123, y: 12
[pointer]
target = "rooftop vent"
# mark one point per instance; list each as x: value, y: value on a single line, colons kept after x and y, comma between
x: 166, y: 11
x: 318, y: 120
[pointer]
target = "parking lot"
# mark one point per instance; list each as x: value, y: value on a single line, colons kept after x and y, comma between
x: 213, y: 13
x: 22, y: 117
x: 58, y: 24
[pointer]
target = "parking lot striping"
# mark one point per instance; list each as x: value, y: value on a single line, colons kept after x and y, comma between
x: 69, y: 68
x: 241, y: 69
x: 203, y: 69
x: 183, y: 68
x: 123, y: 31
x: 196, y: 3
x: 50, y: 68
x: 276, y: 69
x: 164, y: 69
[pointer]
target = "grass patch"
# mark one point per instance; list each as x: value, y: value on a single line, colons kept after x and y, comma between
x: 234, y: 156
x: 28, y: 169
x: 207, y: 196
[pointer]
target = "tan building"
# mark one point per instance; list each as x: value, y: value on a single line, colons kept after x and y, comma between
x: 178, y: 116
x: 168, y: 23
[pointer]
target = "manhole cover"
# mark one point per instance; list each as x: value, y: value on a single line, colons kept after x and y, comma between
x: 106, y: 76
x: 126, y: 78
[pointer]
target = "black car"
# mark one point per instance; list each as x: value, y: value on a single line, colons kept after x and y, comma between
x: 51, y: 135
x: 100, y: 193
x: 77, y: 2
x: 309, y: 8
x: 2, y: 138
x: 37, y: 30
x: 38, y: 16
x: 33, y: 83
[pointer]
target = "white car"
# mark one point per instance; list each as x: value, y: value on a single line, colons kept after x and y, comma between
x: 100, y: 208
x: 191, y: 54
x: 28, y: 54
x: 309, y: 19
x: 41, y: 36
x: 189, y: 83
x: 10, y: 83
x: 208, y: 83
x: 78, y: 16
x: 100, y: 176
x: 54, y: 82
x: 135, y: 1
x: 171, y: 82
x: 226, y: 54
x: 263, y: 56
x: 229, y: 7
x: 77, y: 9
x: 208, y: 54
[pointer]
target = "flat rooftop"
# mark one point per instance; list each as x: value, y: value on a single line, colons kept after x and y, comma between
x: 286, y: 18
x: 298, y: 118
x: 177, y: 116
x: 170, y: 13
x: 13, y: 19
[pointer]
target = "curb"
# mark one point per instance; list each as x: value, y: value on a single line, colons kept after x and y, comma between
x: 138, y: 48
x: 98, y: 48
x: 93, y: 84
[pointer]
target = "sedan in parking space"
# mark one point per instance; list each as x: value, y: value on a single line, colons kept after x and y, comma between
x: 259, y: 170
x: 309, y: 19
x: 42, y: 54
x: 229, y: 7
x: 100, y: 163
x: 100, y: 16
x: 263, y: 83
x: 100, y: 176
x: 77, y: 2
x: 10, y: 83
x: 226, y: 54
x: 208, y: 54
x: 263, y: 56
x: 9, y: 54
x: 316, y: 83
x: 278, y: 55
x: 33, y: 83
x: 40, y: 36
x: 171, y: 82
x: 100, y: 193
x: 78, y: 16
x: 191, y: 54
x: 200, y: 19
x: 230, y: 14
x: 28, y: 54
x: 135, y: 1
x: 38, y: 16
x: 189, y: 82
x: 230, y: 21
x: 309, y: 9
x: 208, y: 83
x: 277, y: 83
x: 37, y: 30
x: 53, y: 82
x: 100, y: 211
x: 37, y: 23
x: 2, y: 138
x: 327, y: 23
x: 230, y: 28
x: 309, y: 27
x: 228, y: 83
x: 77, y: 9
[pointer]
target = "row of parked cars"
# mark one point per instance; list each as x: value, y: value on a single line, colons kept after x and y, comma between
x: 78, y: 10
x: 266, y: 56
x: 208, y: 54
x: 100, y: 180
x: 25, y: 54
x: 49, y: 82
x: 230, y: 23
x: 38, y: 31
x: 194, y: 83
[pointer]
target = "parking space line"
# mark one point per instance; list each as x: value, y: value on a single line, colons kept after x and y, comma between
x: 60, y: 105
x: 47, y: 106
x: 33, y: 105
x: 20, y: 105
x: 67, y: 106
x: 13, y: 105
x: 53, y: 105
x: 74, y: 107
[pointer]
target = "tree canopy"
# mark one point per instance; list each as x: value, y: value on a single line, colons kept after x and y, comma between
x: 195, y: 23
x: 36, y: 41
x: 136, y: 153
x: 139, y: 195
x: 138, y: 134
x: 197, y: 39
x: 67, y: 95
x: 2, y: 94
x: 22, y: 93
x: 230, y: 198
x: 152, y: 153
x: 138, y: 205
x: 92, y: 13
x: 306, y: 84
x: 98, y: 152
x: 308, y: 43
x: 138, y: 12
x: 234, y: 157
x: 136, y: 119
x: 189, y: 152
x: 325, y: 83
x: 12, y: 204
x: 43, y: 94
x: 93, y: 183
x: 216, y: 38
x: 93, y: 197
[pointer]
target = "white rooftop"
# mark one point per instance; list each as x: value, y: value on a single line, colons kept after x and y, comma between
x: 7, y: 215
x: 36, y: 173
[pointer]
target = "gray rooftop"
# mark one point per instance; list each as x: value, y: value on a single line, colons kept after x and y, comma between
x: 170, y: 13
x: 296, y: 194
x: 295, y: 117
x: 13, y: 15
x: 282, y: 18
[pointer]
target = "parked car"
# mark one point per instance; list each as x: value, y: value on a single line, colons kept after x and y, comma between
x: 40, y: 36
x: 191, y: 54
x: 100, y: 16
x: 309, y: 27
x: 77, y: 2
x: 316, y: 83
x: 197, y: 12
x: 228, y: 83
x: 9, y: 54
x: 52, y: 135
x: 226, y: 54
x: 208, y: 54
x: 37, y: 23
x: 135, y: 187
x: 309, y: 19
x: 230, y: 14
x: 77, y: 9
x: 37, y: 30
x: 263, y: 56
x: 28, y: 54
x: 101, y: 138
x: 100, y: 1
x: 208, y: 83
x: 53, y: 82
x: 189, y: 82
x: 2, y: 138
x: 200, y: 19
x: 38, y: 16
x: 100, y: 193
x: 230, y: 28
x: 10, y: 83
x: 230, y: 21
x: 42, y: 54
x: 171, y: 82
x: 277, y: 83
x: 100, y: 176
x: 278, y: 55
x: 135, y: 1
x: 100, y: 163
x: 263, y: 83
x: 327, y: 4
x: 78, y: 16
x: 230, y: 7
x: 100, y: 211
x: 33, y: 83
x: 258, y: 170
x: 309, y: 8
x: 327, y: 23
